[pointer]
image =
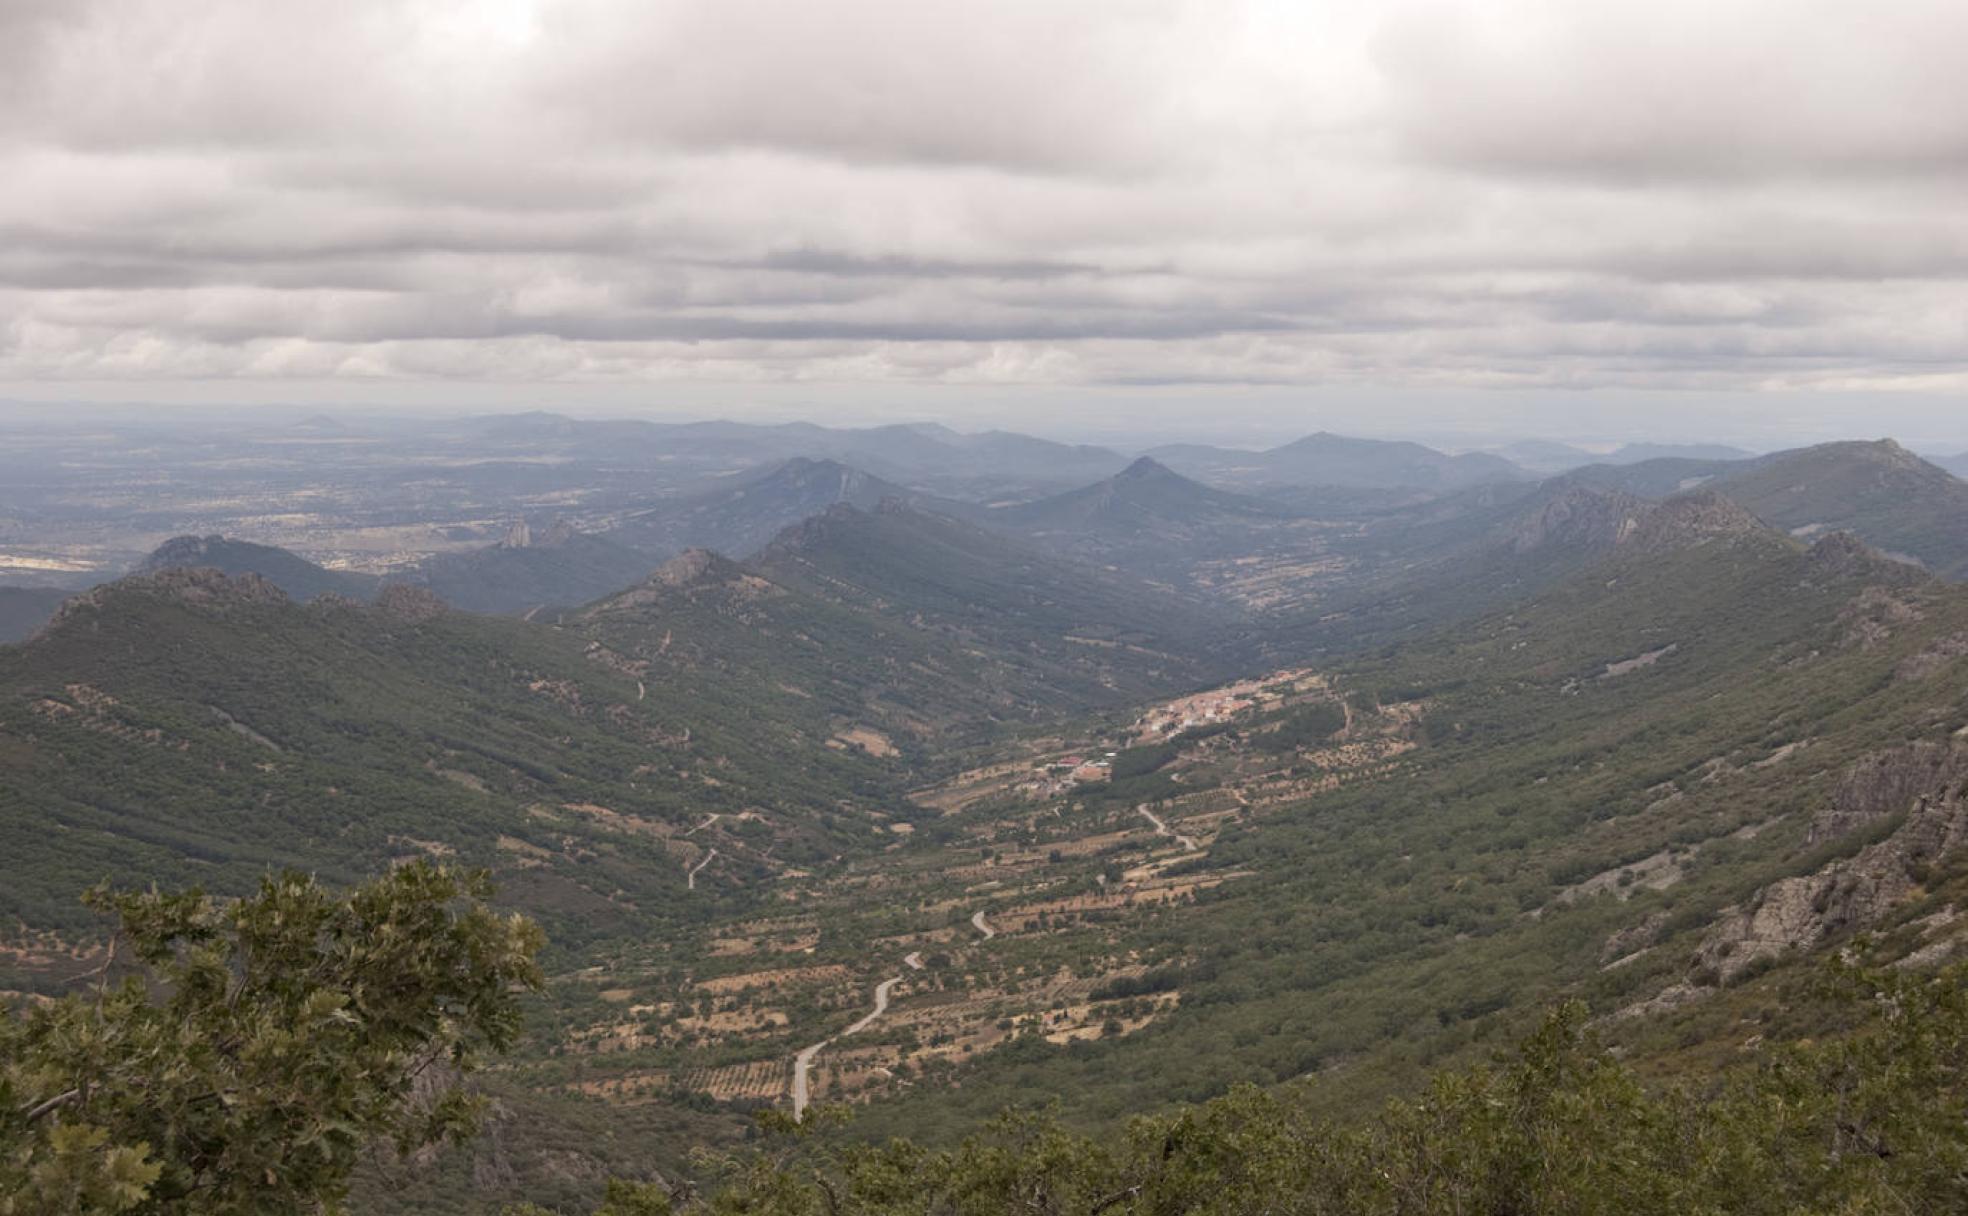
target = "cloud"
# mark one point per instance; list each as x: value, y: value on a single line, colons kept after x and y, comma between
x: 1536, y: 193
x: 1683, y: 88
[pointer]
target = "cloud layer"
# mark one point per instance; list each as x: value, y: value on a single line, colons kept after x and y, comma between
x: 1578, y: 193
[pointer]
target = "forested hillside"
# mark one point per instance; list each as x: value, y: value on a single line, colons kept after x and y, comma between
x: 917, y: 815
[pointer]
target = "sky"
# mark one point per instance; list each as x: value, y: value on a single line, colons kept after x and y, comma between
x: 1734, y: 219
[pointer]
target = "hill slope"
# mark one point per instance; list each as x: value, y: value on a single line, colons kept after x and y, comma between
x: 526, y: 571
x: 187, y: 723
x: 300, y: 578
x: 1155, y: 523
x: 1325, y: 459
x: 919, y: 626
x: 1884, y: 493
x: 1622, y: 767
x: 740, y: 520
x: 25, y: 609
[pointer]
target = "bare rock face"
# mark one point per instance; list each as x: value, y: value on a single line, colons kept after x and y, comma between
x: 1634, y: 938
x: 695, y: 575
x: 203, y: 588
x: 1924, y: 780
x: 694, y: 566
x: 1875, y: 614
x: 1580, y: 516
x: 521, y: 536
x: 1882, y: 784
x: 1843, y: 555
x: 1933, y: 659
x: 407, y: 602
x: 1698, y: 518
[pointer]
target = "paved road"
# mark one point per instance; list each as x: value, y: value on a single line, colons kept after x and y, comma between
x: 983, y: 926
x: 803, y: 1062
x: 690, y: 879
x: 1163, y: 829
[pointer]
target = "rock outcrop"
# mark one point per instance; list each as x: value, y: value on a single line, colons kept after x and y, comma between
x: 408, y: 602
x: 1698, y: 518
x: 1926, y: 782
x: 1578, y: 516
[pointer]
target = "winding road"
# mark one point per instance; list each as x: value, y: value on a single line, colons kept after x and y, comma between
x: 803, y: 1062
x: 690, y: 879
x: 1163, y: 829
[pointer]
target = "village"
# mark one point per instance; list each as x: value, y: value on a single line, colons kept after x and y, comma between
x: 879, y: 978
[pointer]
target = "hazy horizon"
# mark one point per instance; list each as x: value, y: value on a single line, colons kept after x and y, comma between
x: 1131, y: 420
x: 1413, y: 219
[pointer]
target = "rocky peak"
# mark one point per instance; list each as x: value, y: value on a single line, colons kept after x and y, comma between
x: 182, y: 551
x: 522, y: 536
x: 1841, y: 555
x: 694, y: 566
x: 1573, y: 514
x: 1885, y: 782
x: 1925, y: 781
x: 1697, y: 518
x: 892, y: 505
x: 813, y: 531
x: 1146, y: 470
x: 408, y: 602
x: 199, y: 587
x: 1889, y: 452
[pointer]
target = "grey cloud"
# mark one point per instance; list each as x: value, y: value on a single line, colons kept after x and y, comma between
x: 1683, y: 88
x: 826, y: 262
x: 1131, y: 192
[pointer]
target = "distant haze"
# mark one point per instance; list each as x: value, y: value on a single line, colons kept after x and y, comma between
x: 1198, y: 218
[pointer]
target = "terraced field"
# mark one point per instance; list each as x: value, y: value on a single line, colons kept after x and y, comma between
x: 1009, y: 918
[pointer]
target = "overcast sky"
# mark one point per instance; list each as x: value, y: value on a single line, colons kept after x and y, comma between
x: 1635, y: 218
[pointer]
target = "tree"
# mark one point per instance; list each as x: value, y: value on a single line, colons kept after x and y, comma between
x: 261, y: 1045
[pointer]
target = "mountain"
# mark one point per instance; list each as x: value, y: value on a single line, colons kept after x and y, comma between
x: 926, y: 456
x: 1957, y: 465
x: 185, y: 722
x: 1660, y: 477
x: 978, y: 585
x: 528, y: 570
x: 1690, y: 749
x: 1885, y: 494
x: 914, y: 626
x: 1145, y: 499
x: 300, y: 578
x: 741, y: 519
x: 1545, y: 455
x: 1325, y: 459
x: 25, y: 609
x: 932, y: 454
x: 1155, y: 523
x: 856, y: 791
x: 1445, y: 561
x: 1634, y: 453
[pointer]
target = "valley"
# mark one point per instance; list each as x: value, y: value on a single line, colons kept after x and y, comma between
x: 1114, y: 798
